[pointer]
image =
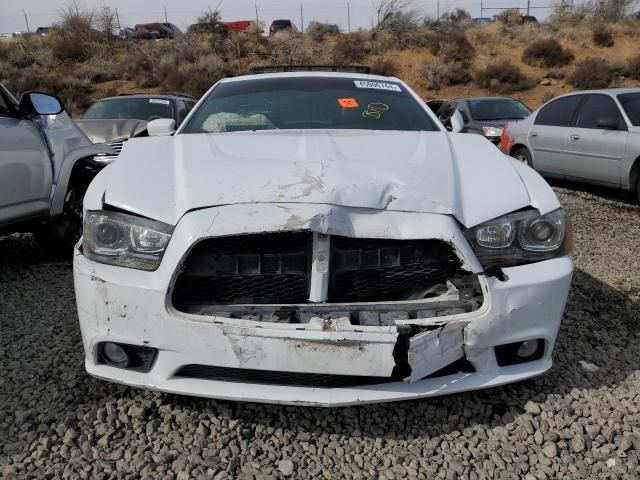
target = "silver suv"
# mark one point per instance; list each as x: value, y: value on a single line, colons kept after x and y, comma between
x: 46, y: 164
x: 590, y: 136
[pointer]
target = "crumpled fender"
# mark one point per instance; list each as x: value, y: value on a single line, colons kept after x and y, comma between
x: 62, y: 182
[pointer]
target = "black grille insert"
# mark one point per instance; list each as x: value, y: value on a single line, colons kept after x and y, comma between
x: 275, y: 268
x: 366, y: 270
x: 300, y: 379
x: 272, y: 377
x: 260, y: 269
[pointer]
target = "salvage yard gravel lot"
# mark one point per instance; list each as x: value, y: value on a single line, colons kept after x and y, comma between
x: 56, y: 421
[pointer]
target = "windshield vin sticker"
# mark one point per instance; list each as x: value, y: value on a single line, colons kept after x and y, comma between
x: 159, y: 100
x: 377, y: 85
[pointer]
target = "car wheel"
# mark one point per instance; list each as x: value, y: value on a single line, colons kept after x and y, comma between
x: 524, y: 156
x: 58, y: 236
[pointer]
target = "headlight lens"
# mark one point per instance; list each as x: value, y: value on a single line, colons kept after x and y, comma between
x: 124, y: 240
x: 521, y: 237
x: 492, y: 131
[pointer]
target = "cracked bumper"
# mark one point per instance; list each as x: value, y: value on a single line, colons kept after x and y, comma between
x: 128, y: 306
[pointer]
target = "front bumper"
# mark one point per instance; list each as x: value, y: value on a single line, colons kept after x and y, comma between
x: 133, y: 307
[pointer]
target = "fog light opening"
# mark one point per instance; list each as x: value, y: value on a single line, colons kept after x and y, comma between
x: 519, y: 352
x: 115, y: 355
x: 527, y: 349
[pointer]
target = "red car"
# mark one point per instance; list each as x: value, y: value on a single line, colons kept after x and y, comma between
x: 240, y: 25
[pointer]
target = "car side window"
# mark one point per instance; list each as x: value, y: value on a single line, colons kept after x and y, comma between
x: 596, y: 108
x: 183, y: 111
x: 560, y: 112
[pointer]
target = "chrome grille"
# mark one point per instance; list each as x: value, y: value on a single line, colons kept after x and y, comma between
x: 117, y: 146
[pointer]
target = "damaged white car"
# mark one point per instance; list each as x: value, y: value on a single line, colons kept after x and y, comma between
x: 319, y: 238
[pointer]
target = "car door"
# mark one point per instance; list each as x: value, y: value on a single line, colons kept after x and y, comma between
x: 596, y: 145
x: 25, y: 166
x: 548, y: 134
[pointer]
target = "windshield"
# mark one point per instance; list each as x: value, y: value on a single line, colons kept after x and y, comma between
x: 309, y: 103
x: 631, y: 104
x: 498, y: 109
x: 146, y: 109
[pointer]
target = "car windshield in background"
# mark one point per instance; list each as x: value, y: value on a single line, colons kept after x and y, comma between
x: 309, y: 103
x: 631, y: 104
x: 146, y: 109
x: 498, y: 109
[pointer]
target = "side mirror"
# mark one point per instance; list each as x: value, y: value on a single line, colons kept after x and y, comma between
x: 608, y: 123
x: 456, y: 122
x: 40, y: 104
x: 161, y: 127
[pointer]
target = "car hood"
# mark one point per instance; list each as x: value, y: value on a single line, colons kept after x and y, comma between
x: 436, y: 172
x: 101, y: 131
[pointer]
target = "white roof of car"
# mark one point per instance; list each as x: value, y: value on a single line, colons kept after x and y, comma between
x: 357, y: 76
x: 606, y: 91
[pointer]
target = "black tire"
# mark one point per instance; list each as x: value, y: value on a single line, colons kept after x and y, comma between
x: 59, y: 235
x: 638, y: 190
x: 524, y: 156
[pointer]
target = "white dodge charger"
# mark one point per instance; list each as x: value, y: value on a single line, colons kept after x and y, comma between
x: 319, y: 238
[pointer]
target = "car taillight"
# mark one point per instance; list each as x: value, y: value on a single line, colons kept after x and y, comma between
x: 504, y: 141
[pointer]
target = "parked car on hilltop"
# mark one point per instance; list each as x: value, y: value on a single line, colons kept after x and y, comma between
x: 591, y: 136
x: 282, y: 26
x: 114, y: 120
x: 319, y: 238
x: 46, y: 164
x: 485, y: 115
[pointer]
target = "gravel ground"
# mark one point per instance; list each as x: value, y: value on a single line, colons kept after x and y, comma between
x: 56, y: 421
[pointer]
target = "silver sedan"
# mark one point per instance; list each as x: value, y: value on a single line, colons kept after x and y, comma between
x: 590, y: 136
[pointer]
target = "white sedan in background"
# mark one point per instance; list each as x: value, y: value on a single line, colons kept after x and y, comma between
x: 319, y: 238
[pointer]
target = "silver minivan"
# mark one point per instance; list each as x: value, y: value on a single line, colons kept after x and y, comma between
x: 590, y: 136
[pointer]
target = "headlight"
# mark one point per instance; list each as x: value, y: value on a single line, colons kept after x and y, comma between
x: 492, y: 131
x: 124, y: 240
x: 521, y: 237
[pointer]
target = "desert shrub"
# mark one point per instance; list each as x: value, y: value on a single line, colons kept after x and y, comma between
x: 297, y: 49
x: 384, y: 66
x: 547, y: 52
x: 193, y: 77
x: 73, y: 90
x: 454, y: 46
x: 97, y: 71
x: 593, y: 73
x: 70, y: 49
x: 209, y: 22
x: 435, y: 75
x: 555, y: 74
x: 458, y: 16
x: 73, y: 35
x: 602, y: 37
x: 511, y: 16
x: 318, y: 30
x: 611, y: 10
x: 502, y: 76
x: 633, y: 67
x: 349, y: 48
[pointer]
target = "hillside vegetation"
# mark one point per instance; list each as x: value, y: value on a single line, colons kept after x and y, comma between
x: 443, y: 59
